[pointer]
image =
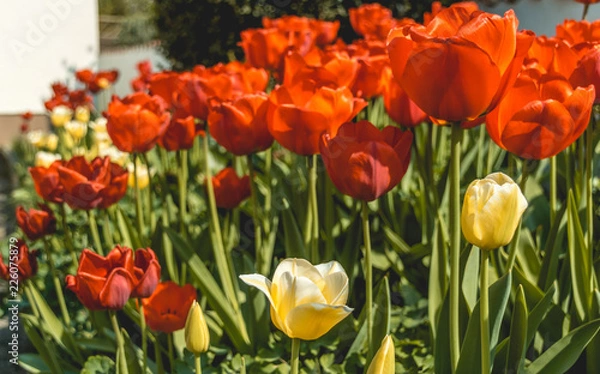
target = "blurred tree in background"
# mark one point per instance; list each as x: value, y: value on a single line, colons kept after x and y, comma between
x: 207, y: 32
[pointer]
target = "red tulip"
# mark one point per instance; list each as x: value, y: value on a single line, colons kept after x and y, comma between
x: 25, y: 260
x: 298, y: 115
x: 374, y: 21
x: 47, y: 182
x: 437, y: 7
x: 97, y: 81
x: 264, y: 48
x: 244, y: 78
x: 167, y: 308
x: 230, y: 190
x: 540, y: 116
x: 240, y: 125
x: 551, y: 55
x: 364, y: 162
x: 588, y: 72
x: 180, y: 134
x: 36, y: 223
x: 137, y: 122
x: 100, y: 183
x: 332, y: 69
x: 459, y: 66
x: 575, y: 32
x: 146, y: 271
x: 398, y: 105
x: 103, y: 282
x: 140, y: 83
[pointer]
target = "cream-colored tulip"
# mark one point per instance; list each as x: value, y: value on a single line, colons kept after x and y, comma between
x: 143, y: 176
x: 116, y: 156
x: 51, y: 142
x: 82, y: 114
x: 36, y: 138
x: 306, y: 300
x: 45, y: 159
x: 99, y: 125
x: 197, y: 338
x: 492, y: 210
x: 76, y: 129
x: 384, y: 361
x: 60, y: 115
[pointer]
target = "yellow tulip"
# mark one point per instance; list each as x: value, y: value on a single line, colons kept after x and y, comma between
x: 61, y: 115
x: 45, y: 159
x: 82, y: 114
x: 143, y: 176
x: 384, y: 360
x: 306, y: 300
x: 116, y: 156
x: 36, y: 138
x: 99, y: 125
x: 51, y: 142
x: 197, y: 338
x: 76, y: 129
x: 492, y: 210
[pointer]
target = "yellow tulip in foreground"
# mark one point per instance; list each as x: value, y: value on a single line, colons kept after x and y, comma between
x: 306, y: 300
x: 197, y: 338
x: 491, y: 211
x: 384, y: 360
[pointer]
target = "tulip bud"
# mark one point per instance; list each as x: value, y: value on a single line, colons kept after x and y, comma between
x: 82, y: 114
x: 492, y: 210
x: 197, y: 338
x: 60, y: 115
x: 384, y: 360
x: 51, y: 142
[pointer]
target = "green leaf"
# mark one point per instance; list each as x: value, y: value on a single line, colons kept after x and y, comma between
x: 518, y: 335
x: 470, y: 278
x: 33, y: 363
x: 99, y: 365
x: 538, y: 312
x: 437, y: 277
x: 441, y: 352
x: 128, y: 233
x: 382, y: 306
x: 565, y: 352
x: 131, y: 356
x: 553, y: 249
x: 212, y: 291
x: 46, y: 351
x: 294, y: 241
x: 470, y: 354
x: 164, y: 250
x: 579, y: 260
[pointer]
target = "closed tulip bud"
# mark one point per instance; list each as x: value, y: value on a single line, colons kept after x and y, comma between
x: 51, y: 142
x: 491, y: 211
x: 61, y: 115
x: 384, y: 360
x: 197, y: 338
x: 82, y: 114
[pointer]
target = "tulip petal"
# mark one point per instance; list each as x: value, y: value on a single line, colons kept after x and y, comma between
x: 292, y: 290
x: 297, y: 267
x: 260, y: 282
x: 329, y: 268
x: 311, y: 321
x: 117, y: 289
x: 336, y: 288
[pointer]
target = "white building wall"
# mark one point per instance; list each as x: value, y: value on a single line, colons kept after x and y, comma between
x: 42, y: 41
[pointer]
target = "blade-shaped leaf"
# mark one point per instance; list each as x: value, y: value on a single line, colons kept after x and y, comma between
x: 580, y: 261
x: 518, y: 335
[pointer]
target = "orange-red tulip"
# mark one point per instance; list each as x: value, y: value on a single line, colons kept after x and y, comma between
x: 298, y: 115
x: 374, y: 21
x: 540, y: 116
x: 398, y: 105
x: 47, y: 182
x: 103, y: 282
x: 588, y: 72
x: 240, y: 125
x: 36, y: 223
x: 458, y: 66
x: 320, y: 32
x: 437, y: 7
x: 230, y: 190
x: 26, y: 261
x: 264, y: 48
x: 97, y: 81
x: 136, y: 122
x: 330, y: 69
x: 146, y: 271
x: 364, y: 162
x: 575, y: 32
x: 140, y: 83
x: 551, y: 55
x: 180, y: 134
x: 167, y: 308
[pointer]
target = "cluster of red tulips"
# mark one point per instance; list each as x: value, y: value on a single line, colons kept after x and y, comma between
x: 362, y: 110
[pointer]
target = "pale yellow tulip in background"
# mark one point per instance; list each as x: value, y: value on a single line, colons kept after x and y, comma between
x: 306, y: 300
x: 384, y: 361
x: 197, y: 337
x: 492, y: 210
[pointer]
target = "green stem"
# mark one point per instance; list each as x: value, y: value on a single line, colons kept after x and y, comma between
x: 57, y: 285
x: 258, y: 246
x: 94, y: 228
x: 120, y: 342
x: 484, y: 312
x: 182, y: 178
x: 589, y: 167
x: 136, y: 196
x: 150, y: 207
x: 158, y: 356
x: 197, y: 364
x: 313, y: 206
x: 68, y: 237
x: 514, y: 243
x: 329, y: 219
x: 295, y: 360
x: 368, y: 278
x: 455, y: 154
x: 552, y: 190
x: 585, y: 11
x: 106, y: 232
x: 219, y: 248
x: 171, y: 357
x: 144, y: 335
x: 480, y: 148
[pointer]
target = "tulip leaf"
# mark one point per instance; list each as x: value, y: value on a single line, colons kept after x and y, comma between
x: 33, y: 363
x: 212, y: 291
x: 565, y: 352
x: 527, y: 255
x: 470, y: 278
x: 538, y: 312
x: 470, y: 357
x: 164, y: 250
x: 437, y: 277
x: 128, y: 232
x: 518, y: 335
x: 553, y: 249
x: 579, y: 260
x: 46, y: 351
x: 294, y: 241
x: 441, y: 352
x: 382, y: 306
